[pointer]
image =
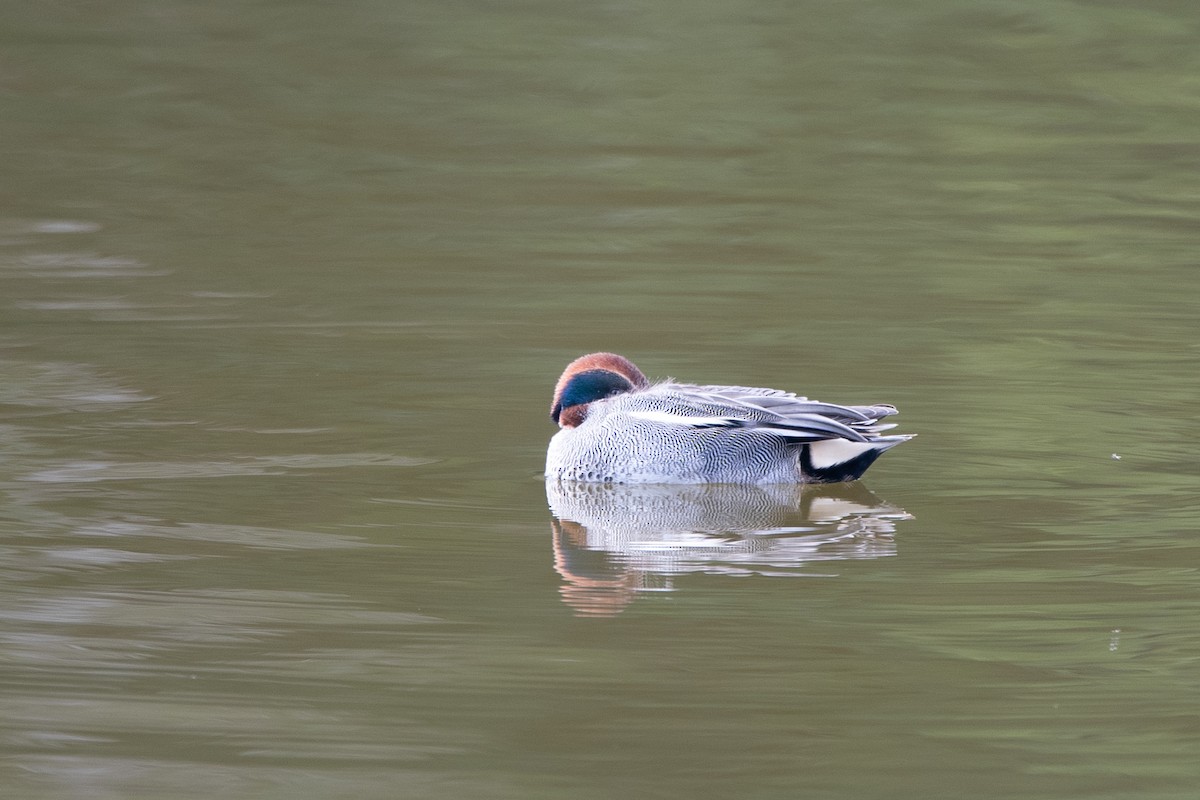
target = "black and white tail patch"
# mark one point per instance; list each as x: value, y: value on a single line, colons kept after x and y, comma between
x: 837, y: 460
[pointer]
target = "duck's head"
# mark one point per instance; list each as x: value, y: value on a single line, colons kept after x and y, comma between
x: 590, y: 378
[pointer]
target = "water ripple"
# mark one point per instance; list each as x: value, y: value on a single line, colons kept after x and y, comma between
x: 96, y: 471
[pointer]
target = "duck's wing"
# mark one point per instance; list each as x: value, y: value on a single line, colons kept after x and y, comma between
x: 783, y: 414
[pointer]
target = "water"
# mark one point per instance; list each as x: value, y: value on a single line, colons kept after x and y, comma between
x: 283, y: 293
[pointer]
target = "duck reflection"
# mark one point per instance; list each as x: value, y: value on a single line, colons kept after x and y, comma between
x: 612, y: 542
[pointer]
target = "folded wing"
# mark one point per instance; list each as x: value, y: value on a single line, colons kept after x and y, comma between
x: 796, y: 419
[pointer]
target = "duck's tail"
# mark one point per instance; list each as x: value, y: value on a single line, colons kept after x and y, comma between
x: 836, y: 460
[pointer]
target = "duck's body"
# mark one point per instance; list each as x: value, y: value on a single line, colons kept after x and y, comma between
x: 619, y: 428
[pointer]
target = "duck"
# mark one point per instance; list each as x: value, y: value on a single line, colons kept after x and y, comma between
x: 615, y: 426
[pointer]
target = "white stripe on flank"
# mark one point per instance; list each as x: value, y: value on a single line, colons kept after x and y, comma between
x: 664, y: 418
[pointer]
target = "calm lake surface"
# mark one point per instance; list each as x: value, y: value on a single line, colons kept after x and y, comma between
x: 284, y: 290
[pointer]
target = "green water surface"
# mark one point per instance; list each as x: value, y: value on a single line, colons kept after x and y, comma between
x: 285, y: 288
